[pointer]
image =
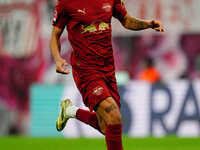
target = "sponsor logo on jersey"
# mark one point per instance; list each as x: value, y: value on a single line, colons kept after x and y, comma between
x: 92, y: 28
x: 103, y: 26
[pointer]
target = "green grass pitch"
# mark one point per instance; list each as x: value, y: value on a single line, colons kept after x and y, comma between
x: 167, y: 143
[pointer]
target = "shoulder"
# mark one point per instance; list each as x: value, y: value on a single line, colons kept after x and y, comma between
x: 62, y: 4
x: 119, y: 2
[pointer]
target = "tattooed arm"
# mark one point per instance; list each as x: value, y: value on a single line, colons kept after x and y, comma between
x: 132, y: 23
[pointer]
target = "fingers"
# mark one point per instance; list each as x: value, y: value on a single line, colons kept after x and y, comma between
x: 159, y: 29
x: 65, y: 63
x: 62, y: 70
x: 157, y: 26
x: 61, y: 66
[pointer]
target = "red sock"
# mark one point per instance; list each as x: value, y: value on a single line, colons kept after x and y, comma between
x: 114, y: 137
x: 88, y: 117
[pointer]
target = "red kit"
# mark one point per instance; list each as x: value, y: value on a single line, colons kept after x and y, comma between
x: 88, y: 23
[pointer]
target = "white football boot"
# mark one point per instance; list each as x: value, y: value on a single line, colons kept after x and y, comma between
x: 68, y: 110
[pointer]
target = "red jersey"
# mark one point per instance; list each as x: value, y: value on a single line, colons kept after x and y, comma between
x: 88, y: 24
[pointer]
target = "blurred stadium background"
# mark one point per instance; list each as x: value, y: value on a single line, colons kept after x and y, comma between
x: 158, y: 77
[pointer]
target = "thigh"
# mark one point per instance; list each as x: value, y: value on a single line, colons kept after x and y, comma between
x: 107, y: 107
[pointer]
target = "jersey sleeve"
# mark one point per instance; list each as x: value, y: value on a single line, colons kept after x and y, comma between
x: 60, y: 16
x: 119, y: 10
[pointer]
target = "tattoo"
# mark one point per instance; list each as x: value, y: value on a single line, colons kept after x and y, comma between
x: 110, y: 108
x: 136, y: 24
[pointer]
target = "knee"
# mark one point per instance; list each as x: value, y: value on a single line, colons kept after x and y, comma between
x: 113, y: 116
x: 110, y: 112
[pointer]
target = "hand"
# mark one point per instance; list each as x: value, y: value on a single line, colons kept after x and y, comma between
x: 60, y: 64
x: 157, y: 26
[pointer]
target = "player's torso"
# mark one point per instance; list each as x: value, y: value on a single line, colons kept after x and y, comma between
x: 89, y: 31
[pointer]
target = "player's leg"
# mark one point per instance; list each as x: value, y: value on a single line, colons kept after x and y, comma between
x: 98, y: 92
x: 68, y: 110
x: 110, y: 112
x: 91, y: 119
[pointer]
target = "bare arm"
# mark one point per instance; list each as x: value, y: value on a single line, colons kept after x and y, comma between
x: 132, y: 23
x: 55, y: 43
x: 55, y: 47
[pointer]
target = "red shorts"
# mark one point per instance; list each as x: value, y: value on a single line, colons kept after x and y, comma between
x: 96, y: 86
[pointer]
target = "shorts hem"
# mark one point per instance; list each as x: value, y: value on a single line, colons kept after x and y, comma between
x: 94, y: 106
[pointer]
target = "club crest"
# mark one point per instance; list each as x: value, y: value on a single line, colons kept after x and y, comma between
x: 82, y: 11
x: 98, y: 90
